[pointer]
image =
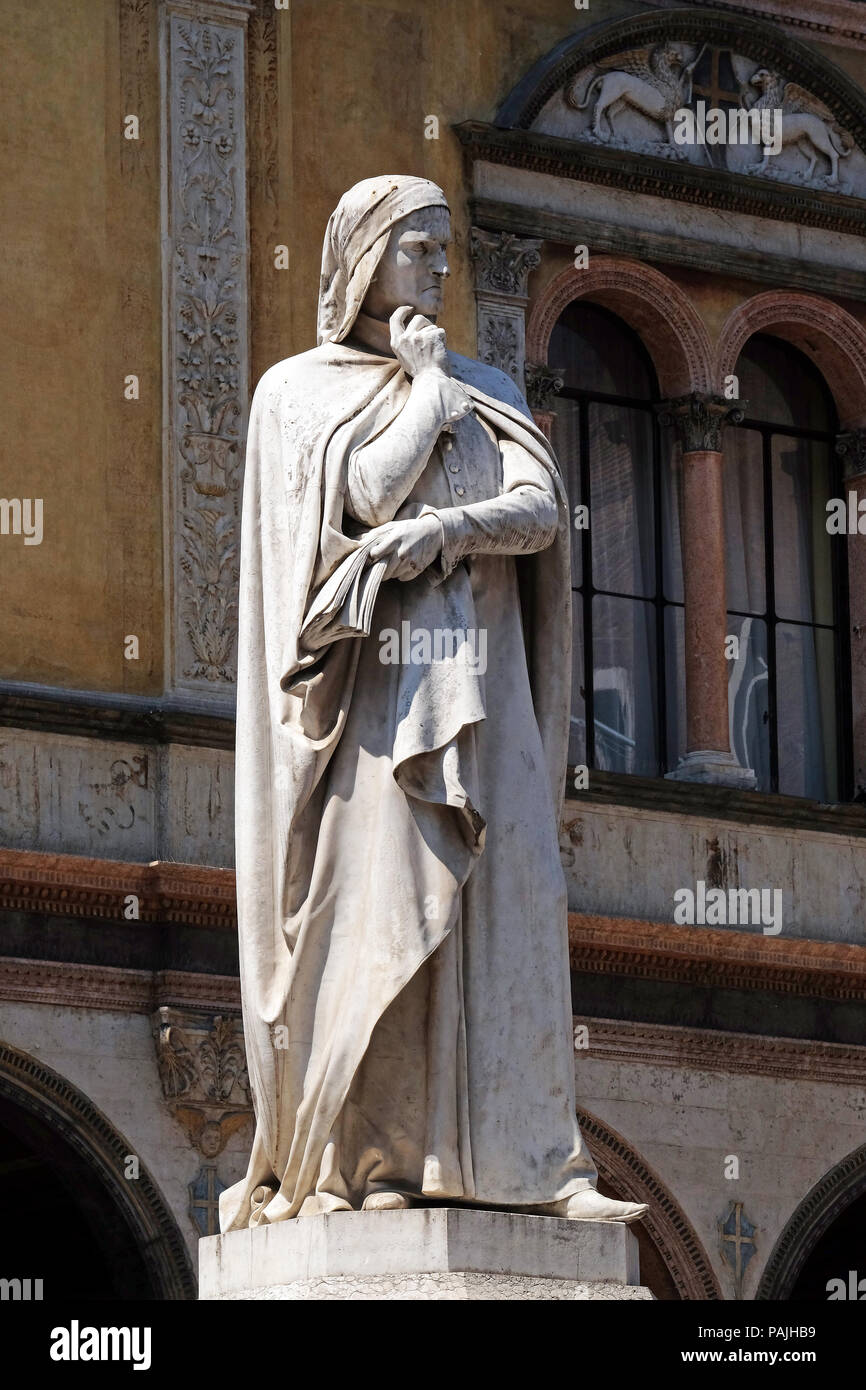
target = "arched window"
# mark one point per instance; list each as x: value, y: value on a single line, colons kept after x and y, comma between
x: 626, y: 566
x: 785, y: 577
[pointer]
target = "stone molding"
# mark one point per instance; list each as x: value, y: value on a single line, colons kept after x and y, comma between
x: 831, y: 21
x: 116, y: 717
x: 821, y: 1206
x: 735, y: 1054
x: 66, y: 984
x: 708, y: 957
x: 38, y: 1089
x: 66, y: 885
x: 72, y: 886
x: 636, y: 173
x: 826, y: 333
x: 664, y: 318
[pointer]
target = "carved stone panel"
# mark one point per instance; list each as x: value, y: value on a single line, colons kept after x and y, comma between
x: 206, y: 257
x: 203, y: 1070
x: 708, y: 104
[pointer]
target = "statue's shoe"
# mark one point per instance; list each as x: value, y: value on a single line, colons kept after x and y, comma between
x: 385, y: 1201
x: 590, y: 1205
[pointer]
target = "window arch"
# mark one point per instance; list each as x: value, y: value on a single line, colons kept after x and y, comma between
x: 627, y: 592
x: 786, y: 585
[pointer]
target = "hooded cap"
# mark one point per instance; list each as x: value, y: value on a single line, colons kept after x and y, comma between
x: 357, y: 234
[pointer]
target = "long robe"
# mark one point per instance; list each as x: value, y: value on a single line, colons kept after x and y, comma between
x: 402, y: 910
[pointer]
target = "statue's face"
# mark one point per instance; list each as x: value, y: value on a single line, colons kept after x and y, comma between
x: 413, y: 266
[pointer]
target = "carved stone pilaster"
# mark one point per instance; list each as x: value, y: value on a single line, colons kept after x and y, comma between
x: 502, y: 266
x: 542, y: 385
x: 699, y: 419
x: 851, y: 449
x: 203, y: 1070
x: 206, y: 338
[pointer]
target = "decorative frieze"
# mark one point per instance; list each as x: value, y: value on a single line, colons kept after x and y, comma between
x: 206, y: 347
x: 699, y: 419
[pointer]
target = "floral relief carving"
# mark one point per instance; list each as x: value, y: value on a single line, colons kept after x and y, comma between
x: 208, y: 236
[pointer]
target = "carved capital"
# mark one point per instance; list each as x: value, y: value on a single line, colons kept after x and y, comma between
x: 851, y: 449
x: 203, y: 1070
x: 503, y: 261
x: 542, y: 385
x: 698, y: 419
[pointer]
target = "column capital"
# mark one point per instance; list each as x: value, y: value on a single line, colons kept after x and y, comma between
x: 503, y: 262
x: 542, y: 384
x: 851, y: 449
x: 698, y: 419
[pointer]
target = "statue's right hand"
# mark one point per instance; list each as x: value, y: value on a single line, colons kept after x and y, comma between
x: 418, y: 345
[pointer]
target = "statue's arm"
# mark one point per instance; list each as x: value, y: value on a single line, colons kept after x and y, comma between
x: 522, y: 520
x: 382, y: 473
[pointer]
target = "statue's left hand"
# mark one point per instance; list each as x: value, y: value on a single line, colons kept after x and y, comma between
x: 408, y: 546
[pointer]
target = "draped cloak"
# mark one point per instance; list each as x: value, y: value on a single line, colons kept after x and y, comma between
x: 315, y: 983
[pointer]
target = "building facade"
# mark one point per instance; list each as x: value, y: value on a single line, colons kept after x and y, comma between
x: 683, y: 299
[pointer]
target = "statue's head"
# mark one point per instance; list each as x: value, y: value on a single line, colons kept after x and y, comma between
x: 384, y: 247
x: 413, y: 266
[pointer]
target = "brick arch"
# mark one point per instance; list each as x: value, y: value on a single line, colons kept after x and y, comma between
x: 820, y: 1208
x: 665, y: 1223
x: 91, y: 1140
x: 826, y: 333
x: 663, y: 318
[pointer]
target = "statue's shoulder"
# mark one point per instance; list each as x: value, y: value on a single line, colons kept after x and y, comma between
x: 493, y: 382
x: 294, y: 375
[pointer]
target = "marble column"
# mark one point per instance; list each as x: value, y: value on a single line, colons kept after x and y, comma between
x: 502, y: 266
x: 851, y: 448
x: 699, y: 420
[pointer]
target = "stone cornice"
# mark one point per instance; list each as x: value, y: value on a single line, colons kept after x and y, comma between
x: 707, y: 957
x: 829, y: 21
x: 70, y: 885
x: 65, y: 984
x: 752, y: 808
x: 67, y: 885
x: 130, y: 718
x: 662, y: 178
x: 704, y: 1049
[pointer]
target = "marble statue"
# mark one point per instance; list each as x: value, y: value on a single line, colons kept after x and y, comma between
x: 403, y: 704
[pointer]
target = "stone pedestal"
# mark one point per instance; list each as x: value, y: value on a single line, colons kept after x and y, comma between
x: 445, y: 1253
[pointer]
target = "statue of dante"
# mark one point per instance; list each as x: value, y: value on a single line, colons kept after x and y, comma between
x: 403, y: 703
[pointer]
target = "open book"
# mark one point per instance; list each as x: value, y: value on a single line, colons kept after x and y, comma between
x: 343, y: 606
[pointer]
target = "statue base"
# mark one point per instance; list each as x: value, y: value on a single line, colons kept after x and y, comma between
x: 430, y: 1253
